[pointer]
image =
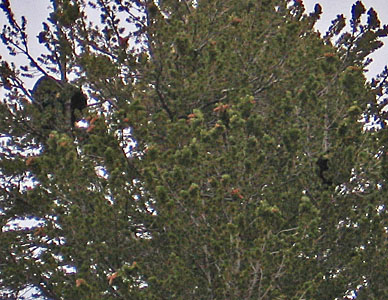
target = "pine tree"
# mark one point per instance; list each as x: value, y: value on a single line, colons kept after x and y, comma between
x: 231, y: 152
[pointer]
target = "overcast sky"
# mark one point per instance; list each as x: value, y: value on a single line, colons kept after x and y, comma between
x: 331, y: 8
x: 37, y: 10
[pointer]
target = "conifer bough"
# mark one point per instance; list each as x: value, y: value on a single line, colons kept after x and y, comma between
x: 205, y: 170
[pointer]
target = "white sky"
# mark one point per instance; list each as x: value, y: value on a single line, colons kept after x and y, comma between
x: 37, y: 10
x: 331, y: 8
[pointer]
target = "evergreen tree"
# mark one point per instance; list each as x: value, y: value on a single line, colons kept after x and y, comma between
x: 226, y: 154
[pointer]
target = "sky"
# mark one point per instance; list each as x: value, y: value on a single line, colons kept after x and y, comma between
x: 331, y: 8
x: 37, y: 10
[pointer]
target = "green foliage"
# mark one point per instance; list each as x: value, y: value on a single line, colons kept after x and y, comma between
x: 197, y: 173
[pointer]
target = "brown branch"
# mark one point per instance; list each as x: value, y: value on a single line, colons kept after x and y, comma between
x: 161, y: 97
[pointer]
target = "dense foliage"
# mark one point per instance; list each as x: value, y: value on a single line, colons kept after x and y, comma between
x: 225, y: 154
